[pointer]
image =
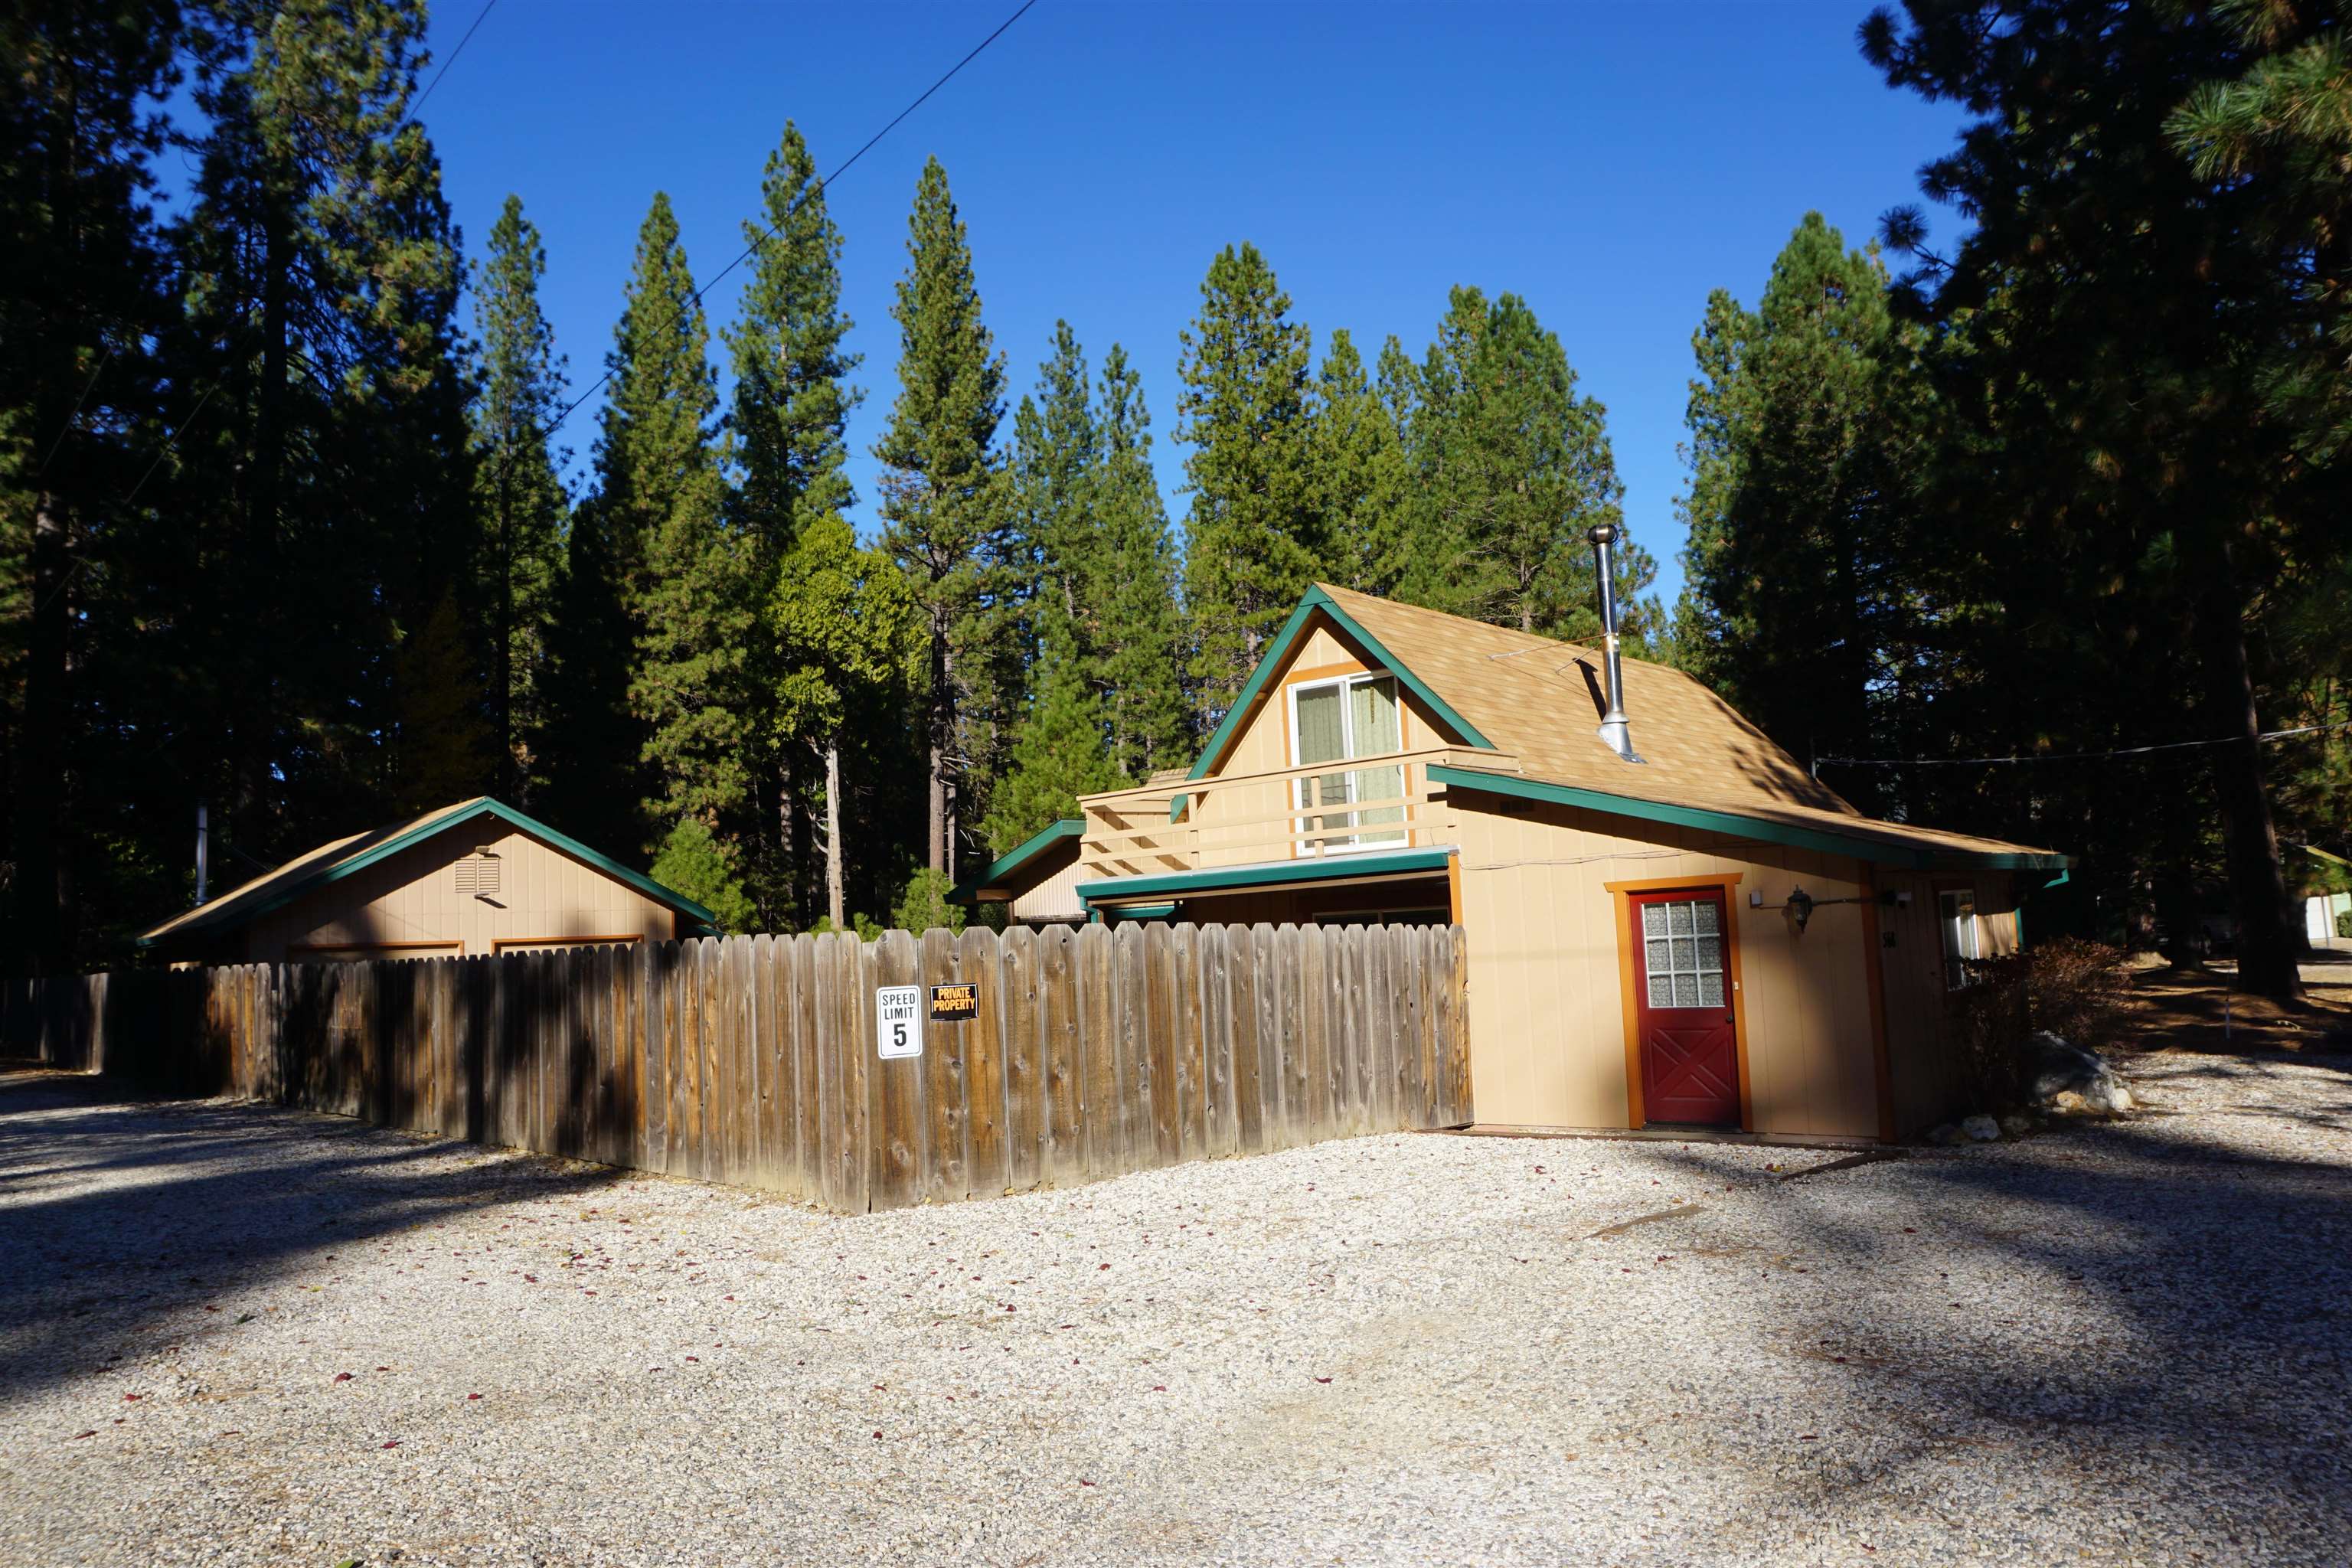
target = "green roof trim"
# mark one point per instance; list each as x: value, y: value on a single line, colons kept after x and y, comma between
x: 1012, y: 860
x: 1218, y: 878
x: 1823, y: 840
x: 231, y: 915
x: 1279, y: 650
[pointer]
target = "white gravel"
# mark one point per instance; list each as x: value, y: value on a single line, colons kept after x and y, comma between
x: 2115, y: 1344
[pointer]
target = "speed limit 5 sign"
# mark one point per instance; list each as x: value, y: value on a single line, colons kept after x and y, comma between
x: 899, y: 1020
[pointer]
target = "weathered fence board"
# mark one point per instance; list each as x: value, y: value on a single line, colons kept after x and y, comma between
x: 753, y: 1061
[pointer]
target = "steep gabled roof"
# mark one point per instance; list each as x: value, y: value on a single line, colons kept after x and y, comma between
x: 1541, y: 701
x: 340, y: 858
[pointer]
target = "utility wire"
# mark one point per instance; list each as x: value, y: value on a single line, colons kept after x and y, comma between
x: 818, y: 189
x: 2072, y: 756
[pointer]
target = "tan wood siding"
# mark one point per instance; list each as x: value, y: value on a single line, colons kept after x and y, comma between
x: 1923, y: 1042
x: 1548, y: 1043
x: 545, y: 898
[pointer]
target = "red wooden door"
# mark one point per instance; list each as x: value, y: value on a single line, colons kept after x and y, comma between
x: 1682, y: 1014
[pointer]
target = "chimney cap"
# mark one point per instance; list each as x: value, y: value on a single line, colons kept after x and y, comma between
x: 1603, y: 533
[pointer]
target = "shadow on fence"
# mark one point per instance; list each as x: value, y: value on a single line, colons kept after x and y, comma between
x: 1093, y: 1052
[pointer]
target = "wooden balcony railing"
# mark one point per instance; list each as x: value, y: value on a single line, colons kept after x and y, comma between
x: 1237, y: 819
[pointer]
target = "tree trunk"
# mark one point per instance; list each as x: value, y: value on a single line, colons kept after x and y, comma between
x: 836, y: 906
x: 2268, y: 940
x: 938, y: 827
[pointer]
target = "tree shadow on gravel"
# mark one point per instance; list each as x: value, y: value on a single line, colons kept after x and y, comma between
x: 122, y: 1218
x: 2161, y: 1300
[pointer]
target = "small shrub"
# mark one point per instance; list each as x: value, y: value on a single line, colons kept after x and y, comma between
x: 923, y: 905
x: 2068, y: 987
x: 2075, y: 990
x: 2344, y: 922
x: 1994, y: 1020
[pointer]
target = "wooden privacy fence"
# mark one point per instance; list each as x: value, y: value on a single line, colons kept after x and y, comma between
x: 1091, y: 1052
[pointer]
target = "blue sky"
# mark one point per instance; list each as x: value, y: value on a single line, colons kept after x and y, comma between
x: 1610, y: 163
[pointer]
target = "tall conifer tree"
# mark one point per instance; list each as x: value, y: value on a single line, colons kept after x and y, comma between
x: 791, y: 403
x: 1252, y: 540
x: 941, y: 503
x: 519, y: 499
x: 1360, y: 480
x: 1139, y: 634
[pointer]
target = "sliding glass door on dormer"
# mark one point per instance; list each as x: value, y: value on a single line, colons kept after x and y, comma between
x: 1338, y: 721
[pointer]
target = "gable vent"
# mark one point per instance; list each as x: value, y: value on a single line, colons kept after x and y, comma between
x: 477, y: 874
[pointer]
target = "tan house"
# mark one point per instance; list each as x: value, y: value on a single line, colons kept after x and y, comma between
x: 1669, y: 921
x: 471, y: 879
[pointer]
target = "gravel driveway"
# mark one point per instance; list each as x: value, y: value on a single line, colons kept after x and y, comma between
x: 230, y: 1335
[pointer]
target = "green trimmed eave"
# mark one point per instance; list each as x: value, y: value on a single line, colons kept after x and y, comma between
x: 239, y: 913
x: 1822, y: 840
x: 1229, y: 878
x: 1277, y: 653
x: 1012, y: 860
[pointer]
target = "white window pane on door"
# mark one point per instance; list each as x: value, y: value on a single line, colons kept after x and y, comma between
x: 1681, y: 916
x: 1710, y: 989
x: 1662, y: 960
x: 1710, y: 953
x: 1322, y: 737
x: 1654, y: 920
x: 1374, y: 730
x: 1705, y: 914
x: 1685, y: 991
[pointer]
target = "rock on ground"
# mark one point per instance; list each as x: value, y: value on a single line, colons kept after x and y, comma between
x: 235, y: 1336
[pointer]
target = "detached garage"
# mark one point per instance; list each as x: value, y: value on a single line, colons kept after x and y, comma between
x: 473, y: 879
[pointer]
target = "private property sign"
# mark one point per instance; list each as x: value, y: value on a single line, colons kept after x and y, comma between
x: 899, y: 1020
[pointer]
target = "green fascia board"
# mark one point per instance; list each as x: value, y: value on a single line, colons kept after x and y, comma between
x: 1217, y: 878
x: 1853, y: 846
x: 1279, y: 650
x: 239, y: 915
x: 1012, y: 860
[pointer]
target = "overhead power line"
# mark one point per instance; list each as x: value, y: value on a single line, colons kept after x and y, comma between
x: 766, y: 234
x: 2073, y: 756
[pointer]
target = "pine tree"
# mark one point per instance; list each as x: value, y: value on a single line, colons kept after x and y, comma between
x: 321, y: 273
x: 793, y: 395
x: 1058, y: 755
x: 1360, y: 480
x: 1805, y: 576
x: 1251, y: 543
x: 444, y: 748
x: 1517, y: 467
x: 1056, y: 450
x: 1138, y: 635
x: 517, y: 496
x: 942, y: 503
x: 81, y: 296
x: 691, y: 586
x: 791, y: 403
x: 653, y: 448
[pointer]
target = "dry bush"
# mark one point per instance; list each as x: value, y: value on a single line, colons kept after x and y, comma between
x: 2075, y: 990
x: 2071, y: 988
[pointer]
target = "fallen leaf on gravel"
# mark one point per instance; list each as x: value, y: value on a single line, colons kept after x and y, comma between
x: 1322, y: 1380
x: 80, y: 1435
x: 342, y: 1377
x: 394, y: 1444
x: 473, y: 1397
x: 133, y: 1398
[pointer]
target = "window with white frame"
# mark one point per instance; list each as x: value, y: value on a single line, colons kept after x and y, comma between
x: 1338, y: 721
x: 1955, y: 910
